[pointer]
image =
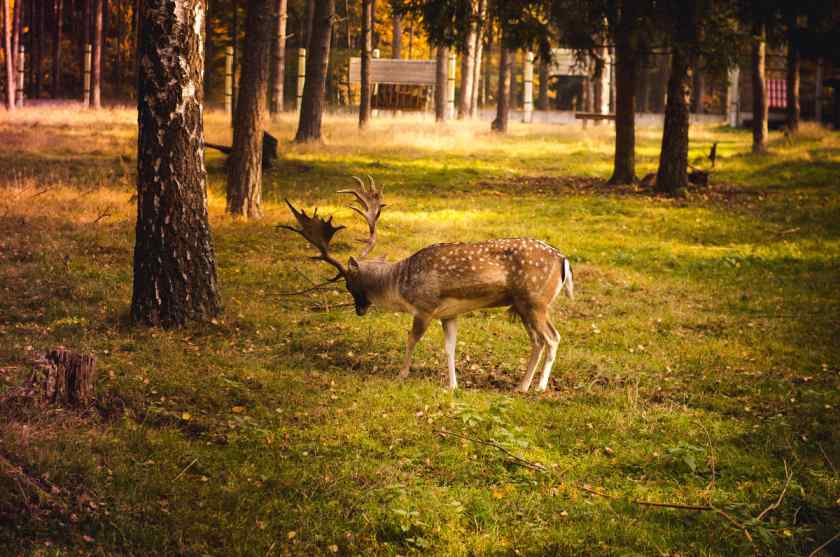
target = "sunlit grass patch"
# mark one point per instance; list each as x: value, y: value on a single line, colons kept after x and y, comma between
x: 698, y: 357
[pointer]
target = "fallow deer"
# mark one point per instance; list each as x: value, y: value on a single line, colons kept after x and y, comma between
x: 443, y: 281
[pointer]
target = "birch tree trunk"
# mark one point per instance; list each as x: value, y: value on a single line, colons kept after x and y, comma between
x: 174, y: 263
x: 244, y: 182
x: 317, y: 59
x: 468, y: 64
x: 479, y: 53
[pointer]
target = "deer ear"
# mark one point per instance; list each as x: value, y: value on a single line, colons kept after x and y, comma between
x: 353, y: 264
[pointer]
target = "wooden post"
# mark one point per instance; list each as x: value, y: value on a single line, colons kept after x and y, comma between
x: 528, y: 77
x: 450, y: 86
x: 733, y: 101
x: 20, y: 75
x: 374, y: 112
x: 86, y: 76
x: 228, y: 79
x: 301, y: 76
x: 818, y: 93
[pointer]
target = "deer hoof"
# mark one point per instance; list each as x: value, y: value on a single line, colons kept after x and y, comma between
x: 403, y: 373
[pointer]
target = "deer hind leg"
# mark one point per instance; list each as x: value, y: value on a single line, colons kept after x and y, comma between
x: 450, y: 329
x: 531, y: 320
x: 418, y: 328
x: 552, y: 341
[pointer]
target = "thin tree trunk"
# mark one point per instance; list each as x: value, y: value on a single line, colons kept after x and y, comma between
x: 468, y: 63
x: 174, y: 263
x: 244, y: 180
x: 347, y: 24
x: 279, y: 73
x: 7, y: 47
x: 38, y: 54
x: 307, y: 23
x: 17, y: 19
x: 317, y: 59
x: 793, y: 63
x: 500, y: 124
x: 364, y: 103
x: 86, y: 10
x: 624, y: 165
x: 410, y: 39
x: 56, y: 57
x: 441, y: 63
x: 396, y: 34
x: 96, y: 70
x: 488, y: 70
x: 479, y: 53
x: 235, y: 80
x: 759, y: 91
x: 672, y: 177
x: 698, y: 90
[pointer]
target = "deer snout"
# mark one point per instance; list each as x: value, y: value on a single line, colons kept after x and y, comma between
x: 361, y: 310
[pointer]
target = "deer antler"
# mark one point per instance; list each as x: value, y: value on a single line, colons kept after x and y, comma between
x: 370, y: 200
x: 318, y: 232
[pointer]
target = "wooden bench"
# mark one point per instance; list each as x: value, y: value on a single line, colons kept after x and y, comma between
x: 596, y: 116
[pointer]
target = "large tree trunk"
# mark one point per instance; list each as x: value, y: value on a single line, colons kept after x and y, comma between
x: 279, y: 73
x: 624, y: 166
x: 96, y: 70
x: 174, y: 264
x: 367, y: 45
x: 318, y: 57
x: 793, y: 111
x: 500, y: 124
x: 56, y: 53
x: 468, y: 63
x: 542, y: 95
x: 7, y: 47
x: 672, y: 176
x: 396, y: 35
x: 759, y: 124
x: 441, y: 57
x: 306, y: 32
x: 244, y: 181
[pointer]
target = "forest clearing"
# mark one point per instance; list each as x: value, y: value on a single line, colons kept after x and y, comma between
x: 693, y: 408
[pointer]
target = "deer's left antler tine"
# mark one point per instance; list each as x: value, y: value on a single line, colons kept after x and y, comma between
x: 318, y: 231
x: 370, y: 200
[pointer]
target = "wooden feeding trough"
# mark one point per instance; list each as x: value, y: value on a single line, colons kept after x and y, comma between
x: 406, y: 85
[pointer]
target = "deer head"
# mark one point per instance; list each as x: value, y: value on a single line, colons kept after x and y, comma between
x: 319, y: 231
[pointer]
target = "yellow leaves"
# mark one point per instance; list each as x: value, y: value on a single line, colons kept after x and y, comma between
x: 291, y: 535
x: 333, y: 548
x: 186, y: 416
x: 238, y: 409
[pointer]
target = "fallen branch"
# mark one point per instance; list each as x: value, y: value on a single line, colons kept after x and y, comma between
x: 774, y: 506
x: 825, y: 544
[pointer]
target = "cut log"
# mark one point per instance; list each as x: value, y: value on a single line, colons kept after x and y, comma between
x: 269, y: 149
x: 65, y: 378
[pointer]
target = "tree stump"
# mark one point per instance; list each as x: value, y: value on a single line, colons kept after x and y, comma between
x: 65, y: 378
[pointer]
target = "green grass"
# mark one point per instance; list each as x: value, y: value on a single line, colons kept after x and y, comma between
x: 700, y: 355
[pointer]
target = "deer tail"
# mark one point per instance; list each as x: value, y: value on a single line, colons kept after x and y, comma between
x: 568, y: 282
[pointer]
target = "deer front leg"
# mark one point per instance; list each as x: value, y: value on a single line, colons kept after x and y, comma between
x: 450, y: 330
x: 418, y: 327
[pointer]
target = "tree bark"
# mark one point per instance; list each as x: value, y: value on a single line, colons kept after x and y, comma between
x: 759, y: 123
x: 396, y: 36
x: 542, y: 95
x: 500, y: 124
x: 698, y: 90
x: 479, y: 53
x: 174, y: 263
x: 96, y: 69
x: 468, y: 63
x: 793, y: 63
x: 441, y: 57
x: 86, y: 10
x: 672, y: 176
x: 244, y: 180
x: 624, y: 166
x: 364, y: 102
x: 38, y: 53
x: 317, y: 59
x: 56, y: 57
x: 306, y: 36
x: 7, y: 47
x: 279, y: 73
x: 17, y: 21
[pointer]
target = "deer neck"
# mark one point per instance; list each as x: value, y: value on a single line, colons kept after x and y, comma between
x: 380, y: 280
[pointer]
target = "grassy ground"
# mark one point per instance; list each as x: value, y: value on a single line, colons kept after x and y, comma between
x: 699, y: 360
